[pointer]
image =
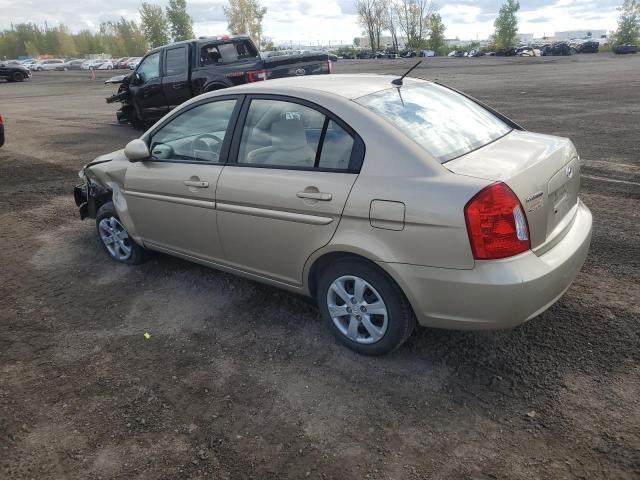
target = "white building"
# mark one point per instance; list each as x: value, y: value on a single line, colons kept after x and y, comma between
x: 385, y: 42
x: 598, y: 35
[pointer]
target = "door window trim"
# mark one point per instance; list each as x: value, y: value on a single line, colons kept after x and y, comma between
x: 357, y: 151
x: 228, y: 136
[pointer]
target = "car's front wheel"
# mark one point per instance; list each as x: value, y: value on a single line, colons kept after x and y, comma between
x: 115, y: 238
x: 363, y: 307
x: 18, y: 76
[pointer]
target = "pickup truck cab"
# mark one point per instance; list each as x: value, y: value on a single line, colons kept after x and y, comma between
x: 170, y: 75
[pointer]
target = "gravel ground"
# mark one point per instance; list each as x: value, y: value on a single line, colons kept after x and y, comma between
x: 240, y: 380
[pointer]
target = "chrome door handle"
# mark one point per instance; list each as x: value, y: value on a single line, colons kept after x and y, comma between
x: 315, y: 196
x: 196, y: 183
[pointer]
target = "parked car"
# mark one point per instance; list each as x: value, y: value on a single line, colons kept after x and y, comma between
x: 557, y: 49
x: 1, y: 130
x: 364, y: 55
x: 342, y: 188
x: 625, y: 48
x: 409, y: 54
x: 506, y: 52
x: 13, y: 72
x: 74, y: 64
x: 170, y: 75
x: 589, y: 46
x: 427, y: 53
x: 133, y: 63
x: 528, y: 52
x: 47, y: 65
x: 97, y: 64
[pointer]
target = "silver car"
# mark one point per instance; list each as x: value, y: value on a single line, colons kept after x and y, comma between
x: 388, y: 201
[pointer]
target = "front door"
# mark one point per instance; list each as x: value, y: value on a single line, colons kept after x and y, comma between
x: 175, y: 82
x: 284, y: 195
x: 148, y: 96
x: 171, y: 198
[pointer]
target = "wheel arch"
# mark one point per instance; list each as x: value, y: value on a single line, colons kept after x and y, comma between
x: 213, y: 86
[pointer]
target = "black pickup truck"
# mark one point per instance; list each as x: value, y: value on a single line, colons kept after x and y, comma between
x: 170, y: 75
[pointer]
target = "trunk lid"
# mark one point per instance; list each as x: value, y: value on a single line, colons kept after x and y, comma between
x: 542, y: 170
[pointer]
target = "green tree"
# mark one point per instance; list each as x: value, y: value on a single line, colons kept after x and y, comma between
x: 413, y: 18
x: 436, y: 34
x: 180, y: 21
x: 245, y: 16
x: 628, y: 23
x: 154, y: 24
x: 506, y: 25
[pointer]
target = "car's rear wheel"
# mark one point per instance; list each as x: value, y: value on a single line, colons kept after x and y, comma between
x: 115, y: 238
x: 363, y: 307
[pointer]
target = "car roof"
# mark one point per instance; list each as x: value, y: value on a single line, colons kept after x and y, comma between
x: 349, y: 86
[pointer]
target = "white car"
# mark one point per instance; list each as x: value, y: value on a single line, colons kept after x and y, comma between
x: 44, y: 65
x: 133, y: 63
x: 97, y: 64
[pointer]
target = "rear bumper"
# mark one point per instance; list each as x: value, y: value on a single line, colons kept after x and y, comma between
x: 499, y: 293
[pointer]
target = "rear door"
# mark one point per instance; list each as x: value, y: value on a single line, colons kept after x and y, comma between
x: 282, y: 194
x: 175, y: 80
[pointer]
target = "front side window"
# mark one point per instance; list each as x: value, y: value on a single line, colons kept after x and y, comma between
x: 443, y: 122
x: 150, y: 67
x: 196, y: 135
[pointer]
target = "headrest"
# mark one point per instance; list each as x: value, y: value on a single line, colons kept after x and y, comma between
x: 288, y: 134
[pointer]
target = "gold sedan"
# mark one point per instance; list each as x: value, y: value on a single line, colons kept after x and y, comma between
x: 390, y: 202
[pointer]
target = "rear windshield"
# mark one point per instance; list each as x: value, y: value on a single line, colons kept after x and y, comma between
x: 443, y: 122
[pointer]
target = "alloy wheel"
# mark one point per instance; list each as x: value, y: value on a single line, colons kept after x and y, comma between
x: 357, y: 309
x: 115, y: 238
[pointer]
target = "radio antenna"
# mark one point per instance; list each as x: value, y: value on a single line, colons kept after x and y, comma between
x: 398, y: 81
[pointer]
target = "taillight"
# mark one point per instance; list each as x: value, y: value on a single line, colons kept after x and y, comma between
x: 1, y: 120
x: 330, y: 66
x: 496, y: 223
x: 256, y: 75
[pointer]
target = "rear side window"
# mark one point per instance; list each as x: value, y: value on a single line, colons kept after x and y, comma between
x: 228, y: 52
x: 176, y: 63
x: 284, y: 134
x: 443, y: 122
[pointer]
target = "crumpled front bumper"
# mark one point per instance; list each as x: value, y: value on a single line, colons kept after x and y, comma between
x: 81, y: 196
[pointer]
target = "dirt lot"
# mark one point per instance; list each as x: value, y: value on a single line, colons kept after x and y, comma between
x: 239, y: 380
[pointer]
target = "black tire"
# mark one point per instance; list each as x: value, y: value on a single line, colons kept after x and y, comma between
x: 400, y: 322
x: 17, y: 76
x: 138, y: 254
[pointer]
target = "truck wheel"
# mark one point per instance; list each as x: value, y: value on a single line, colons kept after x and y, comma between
x: 114, y: 237
x: 18, y: 77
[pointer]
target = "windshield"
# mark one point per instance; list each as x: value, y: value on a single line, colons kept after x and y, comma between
x: 443, y: 122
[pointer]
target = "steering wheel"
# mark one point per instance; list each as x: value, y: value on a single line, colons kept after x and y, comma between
x: 209, y: 143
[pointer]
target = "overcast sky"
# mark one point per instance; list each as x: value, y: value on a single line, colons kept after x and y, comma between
x: 310, y: 21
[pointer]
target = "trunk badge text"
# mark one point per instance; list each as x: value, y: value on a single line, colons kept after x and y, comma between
x: 535, y: 201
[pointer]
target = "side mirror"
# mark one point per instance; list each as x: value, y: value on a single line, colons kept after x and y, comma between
x: 137, y: 79
x: 137, y: 150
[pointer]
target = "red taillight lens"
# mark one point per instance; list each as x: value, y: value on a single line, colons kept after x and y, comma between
x: 496, y: 223
x: 256, y: 75
x: 1, y: 120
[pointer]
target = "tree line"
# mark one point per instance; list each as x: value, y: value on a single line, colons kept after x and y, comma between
x: 118, y: 38
x: 421, y: 25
